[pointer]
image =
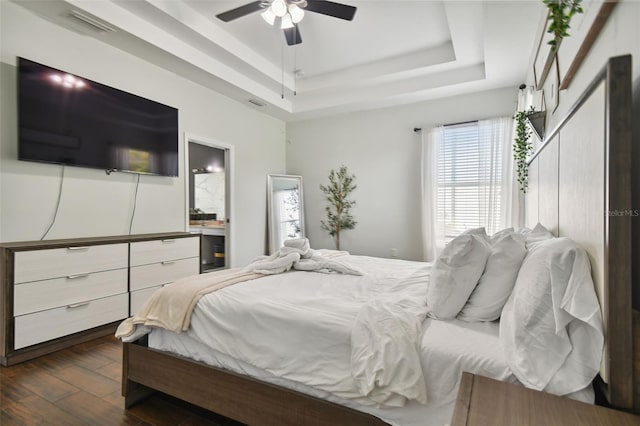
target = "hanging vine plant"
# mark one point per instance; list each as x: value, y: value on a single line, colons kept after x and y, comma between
x: 560, y: 14
x: 522, y: 147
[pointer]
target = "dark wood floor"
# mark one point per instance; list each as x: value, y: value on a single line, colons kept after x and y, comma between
x: 81, y: 386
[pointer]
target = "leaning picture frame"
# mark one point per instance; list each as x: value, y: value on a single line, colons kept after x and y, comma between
x: 544, y: 56
x: 554, y: 76
x: 585, y: 28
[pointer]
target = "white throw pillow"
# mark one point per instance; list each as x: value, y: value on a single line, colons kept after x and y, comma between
x: 455, y: 273
x: 551, y: 327
x: 482, y: 232
x: 499, y: 277
x: 501, y: 233
x: 537, y: 234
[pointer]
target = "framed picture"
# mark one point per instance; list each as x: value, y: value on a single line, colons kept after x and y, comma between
x: 544, y: 58
x: 555, y: 84
x: 585, y: 28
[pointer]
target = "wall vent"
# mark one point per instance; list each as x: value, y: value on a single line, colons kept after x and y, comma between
x: 91, y: 22
x: 257, y: 102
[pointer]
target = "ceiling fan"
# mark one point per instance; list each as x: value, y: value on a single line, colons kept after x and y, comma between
x: 290, y: 12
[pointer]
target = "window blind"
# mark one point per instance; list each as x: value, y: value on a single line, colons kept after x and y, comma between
x: 469, y: 179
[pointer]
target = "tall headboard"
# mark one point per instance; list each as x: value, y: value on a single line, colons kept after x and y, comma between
x: 580, y: 187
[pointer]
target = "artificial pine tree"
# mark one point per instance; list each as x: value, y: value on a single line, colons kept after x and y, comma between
x: 338, y: 216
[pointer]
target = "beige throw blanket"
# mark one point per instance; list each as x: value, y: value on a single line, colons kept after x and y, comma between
x: 170, y: 307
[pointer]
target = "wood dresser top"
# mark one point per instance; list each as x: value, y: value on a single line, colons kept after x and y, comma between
x: 483, y: 402
x: 70, y: 242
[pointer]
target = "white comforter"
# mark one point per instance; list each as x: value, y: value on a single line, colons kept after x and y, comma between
x: 359, y: 341
x: 447, y: 348
x: 356, y: 337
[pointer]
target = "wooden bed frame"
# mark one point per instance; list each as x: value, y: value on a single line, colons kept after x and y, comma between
x: 230, y: 394
x: 258, y: 403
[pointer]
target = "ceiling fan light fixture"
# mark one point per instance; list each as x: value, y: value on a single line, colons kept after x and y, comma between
x: 269, y: 16
x: 290, y: 12
x: 296, y: 13
x: 287, y: 22
x: 279, y: 8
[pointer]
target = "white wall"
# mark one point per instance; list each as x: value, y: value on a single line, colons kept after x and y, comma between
x: 380, y: 148
x: 95, y: 204
x: 620, y: 36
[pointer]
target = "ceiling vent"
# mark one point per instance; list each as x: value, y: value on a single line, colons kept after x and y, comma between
x: 257, y: 102
x: 90, y: 22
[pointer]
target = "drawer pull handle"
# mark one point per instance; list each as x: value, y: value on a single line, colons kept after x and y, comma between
x: 77, y: 305
x: 73, y: 277
x: 168, y: 241
x: 78, y: 248
x: 168, y: 262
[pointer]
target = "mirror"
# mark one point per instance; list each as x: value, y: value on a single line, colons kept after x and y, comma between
x: 207, y: 183
x: 209, y: 193
x: 285, y: 209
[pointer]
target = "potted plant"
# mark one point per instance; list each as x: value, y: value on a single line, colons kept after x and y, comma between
x: 341, y: 184
x: 560, y: 14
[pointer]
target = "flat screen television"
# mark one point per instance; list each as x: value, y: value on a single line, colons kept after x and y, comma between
x: 67, y: 119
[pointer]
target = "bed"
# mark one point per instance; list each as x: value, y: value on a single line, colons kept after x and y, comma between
x: 226, y: 381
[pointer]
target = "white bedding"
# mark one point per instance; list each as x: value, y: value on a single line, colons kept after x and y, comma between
x: 295, y: 329
x: 447, y: 349
x: 312, y: 315
x: 551, y: 328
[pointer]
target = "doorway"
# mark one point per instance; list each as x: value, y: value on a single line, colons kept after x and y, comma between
x: 209, y: 190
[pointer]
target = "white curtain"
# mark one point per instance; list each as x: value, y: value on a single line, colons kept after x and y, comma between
x: 515, y: 212
x: 499, y: 199
x: 432, y: 228
x: 491, y: 202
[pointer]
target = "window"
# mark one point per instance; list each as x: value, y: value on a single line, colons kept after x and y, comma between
x: 469, y: 177
x: 467, y: 181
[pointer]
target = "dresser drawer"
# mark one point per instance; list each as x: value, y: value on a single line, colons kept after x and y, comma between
x: 145, y: 252
x: 41, y: 295
x: 46, y: 325
x: 40, y: 265
x: 139, y: 298
x: 162, y: 273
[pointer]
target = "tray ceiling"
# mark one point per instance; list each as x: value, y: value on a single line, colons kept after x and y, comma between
x: 392, y: 53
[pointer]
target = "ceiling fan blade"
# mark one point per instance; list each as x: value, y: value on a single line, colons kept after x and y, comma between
x: 337, y: 10
x: 239, y: 12
x: 293, y: 35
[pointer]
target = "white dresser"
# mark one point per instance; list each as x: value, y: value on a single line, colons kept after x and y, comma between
x: 158, y: 263
x: 66, y: 290
x: 61, y: 292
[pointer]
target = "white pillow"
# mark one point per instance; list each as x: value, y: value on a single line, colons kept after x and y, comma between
x: 499, y: 277
x: 455, y: 274
x: 482, y: 232
x: 537, y: 234
x: 502, y: 232
x: 551, y: 327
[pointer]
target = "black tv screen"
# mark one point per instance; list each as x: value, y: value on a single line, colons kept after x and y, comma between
x: 66, y: 119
